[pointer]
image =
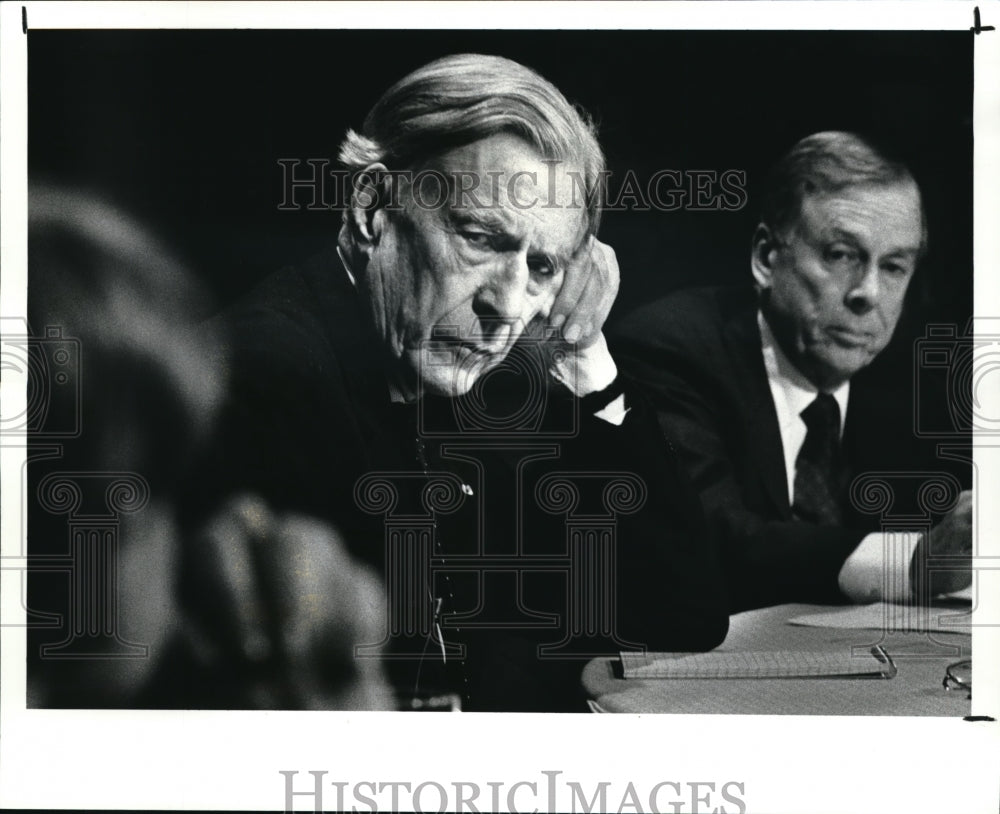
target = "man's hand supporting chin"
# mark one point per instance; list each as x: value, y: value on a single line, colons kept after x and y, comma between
x: 582, y: 362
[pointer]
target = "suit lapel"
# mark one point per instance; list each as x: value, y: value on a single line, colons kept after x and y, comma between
x: 742, y: 337
x: 357, y: 352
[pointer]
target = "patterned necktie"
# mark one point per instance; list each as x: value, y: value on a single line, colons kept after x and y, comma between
x: 820, y: 472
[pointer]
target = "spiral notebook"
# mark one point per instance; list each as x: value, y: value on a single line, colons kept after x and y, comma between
x: 758, y: 664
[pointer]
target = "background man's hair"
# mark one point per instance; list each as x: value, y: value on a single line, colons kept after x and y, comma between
x: 462, y: 98
x: 825, y: 163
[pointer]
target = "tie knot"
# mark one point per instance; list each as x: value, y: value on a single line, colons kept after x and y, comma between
x: 823, y: 414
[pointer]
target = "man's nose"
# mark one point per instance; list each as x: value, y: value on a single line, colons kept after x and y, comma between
x: 499, y: 302
x: 865, y: 288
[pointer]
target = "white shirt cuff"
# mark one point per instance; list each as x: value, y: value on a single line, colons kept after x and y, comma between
x: 585, y: 370
x: 879, y: 568
x: 589, y: 370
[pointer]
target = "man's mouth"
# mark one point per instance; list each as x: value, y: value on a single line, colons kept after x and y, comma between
x: 849, y: 337
x: 467, y: 349
x: 464, y: 348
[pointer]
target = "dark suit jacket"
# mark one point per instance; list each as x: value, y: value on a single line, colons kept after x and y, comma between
x: 697, y: 353
x: 308, y: 414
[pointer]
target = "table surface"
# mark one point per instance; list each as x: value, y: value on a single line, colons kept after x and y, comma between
x: 921, y: 659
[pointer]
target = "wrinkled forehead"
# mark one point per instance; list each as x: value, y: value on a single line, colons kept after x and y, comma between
x: 890, y: 215
x: 506, y: 184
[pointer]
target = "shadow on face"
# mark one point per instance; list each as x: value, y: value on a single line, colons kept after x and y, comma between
x: 476, y: 252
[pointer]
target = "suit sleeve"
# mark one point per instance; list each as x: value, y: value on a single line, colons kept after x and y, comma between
x: 282, y: 416
x: 768, y: 558
x: 669, y: 587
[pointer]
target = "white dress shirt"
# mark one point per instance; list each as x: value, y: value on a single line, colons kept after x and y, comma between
x: 879, y: 568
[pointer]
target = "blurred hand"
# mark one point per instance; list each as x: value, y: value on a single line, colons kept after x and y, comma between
x: 944, y: 555
x: 275, y: 607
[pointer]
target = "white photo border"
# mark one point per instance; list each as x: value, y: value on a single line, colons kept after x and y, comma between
x: 232, y: 760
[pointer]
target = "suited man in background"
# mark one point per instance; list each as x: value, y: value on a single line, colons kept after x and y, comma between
x: 756, y: 387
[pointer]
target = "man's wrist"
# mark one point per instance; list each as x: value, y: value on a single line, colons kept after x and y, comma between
x: 584, y: 371
x: 879, y: 569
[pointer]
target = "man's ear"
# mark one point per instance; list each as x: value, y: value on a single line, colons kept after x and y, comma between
x: 763, y: 254
x: 366, y: 211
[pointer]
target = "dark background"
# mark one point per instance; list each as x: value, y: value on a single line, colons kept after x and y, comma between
x: 184, y: 130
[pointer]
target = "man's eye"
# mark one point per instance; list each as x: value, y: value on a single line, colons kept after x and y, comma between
x: 896, y: 269
x: 541, y: 267
x: 840, y: 255
x: 481, y: 240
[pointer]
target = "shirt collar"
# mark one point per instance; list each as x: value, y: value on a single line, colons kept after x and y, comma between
x: 347, y: 267
x: 796, y: 389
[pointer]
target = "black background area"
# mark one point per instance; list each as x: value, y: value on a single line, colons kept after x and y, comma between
x: 184, y: 129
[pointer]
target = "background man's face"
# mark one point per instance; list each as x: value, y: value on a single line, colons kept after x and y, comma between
x: 838, y: 282
x: 455, y: 278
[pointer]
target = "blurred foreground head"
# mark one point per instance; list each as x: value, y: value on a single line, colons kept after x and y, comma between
x: 148, y: 383
x: 250, y: 611
x: 143, y: 391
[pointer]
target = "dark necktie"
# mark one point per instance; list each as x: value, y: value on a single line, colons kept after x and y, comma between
x: 820, y: 472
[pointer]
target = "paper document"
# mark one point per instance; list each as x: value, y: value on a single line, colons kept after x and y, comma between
x: 757, y: 664
x: 886, y: 616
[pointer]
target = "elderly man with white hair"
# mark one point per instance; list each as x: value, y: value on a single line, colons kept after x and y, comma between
x: 453, y: 336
